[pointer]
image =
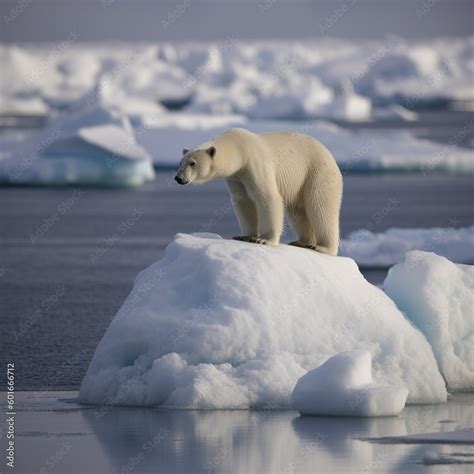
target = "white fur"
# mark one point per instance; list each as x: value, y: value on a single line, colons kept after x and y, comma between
x: 269, y: 173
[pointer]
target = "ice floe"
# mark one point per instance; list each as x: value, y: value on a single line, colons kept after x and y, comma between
x: 438, y: 297
x: 370, y: 249
x: 282, y: 79
x: 224, y: 324
x: 90, y: 147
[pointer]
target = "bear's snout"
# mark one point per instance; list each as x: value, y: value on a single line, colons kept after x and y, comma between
x: 180, y: 180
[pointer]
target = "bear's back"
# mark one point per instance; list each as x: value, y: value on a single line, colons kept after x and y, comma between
x: 294, y: 148
x: 289, y: 151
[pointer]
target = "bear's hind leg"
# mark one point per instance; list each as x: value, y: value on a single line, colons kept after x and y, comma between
x: 325, y: 224
x: 300, y: 224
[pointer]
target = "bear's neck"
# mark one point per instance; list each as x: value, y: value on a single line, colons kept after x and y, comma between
x: 227, y: 169
x: 229, y: 161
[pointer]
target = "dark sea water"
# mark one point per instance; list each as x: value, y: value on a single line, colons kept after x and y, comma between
x: 68, y: 257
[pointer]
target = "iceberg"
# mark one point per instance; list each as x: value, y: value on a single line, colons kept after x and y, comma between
x: 90, y: 147
x: 23, y: 106
x: 343, y: 386
x: 60, y: 74
x: 438, y: 297
x: 350, y: 106
x: 370, y: 249
x: 225, y: 324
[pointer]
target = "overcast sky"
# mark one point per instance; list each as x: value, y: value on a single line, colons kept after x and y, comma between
x: 92, y: 20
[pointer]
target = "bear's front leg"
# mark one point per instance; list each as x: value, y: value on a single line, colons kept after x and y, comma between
x: 245, y: 211
x: 270, y: 211
x: 252, y: 240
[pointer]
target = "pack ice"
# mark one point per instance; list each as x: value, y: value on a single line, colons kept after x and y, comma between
x: 92, y: 146
x: 387, y: 248
x: 358, y: 151
x: 298, y: 79
x: 343, y: 386
x: 438, y: 296
x: 224, y: 324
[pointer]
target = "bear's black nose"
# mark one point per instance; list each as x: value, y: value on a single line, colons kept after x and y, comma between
x: 178, y: 179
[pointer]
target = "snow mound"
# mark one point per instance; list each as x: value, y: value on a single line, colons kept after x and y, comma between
x: 91, y: 147
x: 225, y: 324
x: 343, y: 386
x: 384, y: 249
x: 438, y: 297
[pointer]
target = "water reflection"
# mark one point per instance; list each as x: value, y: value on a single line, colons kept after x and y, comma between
x: 163, y: 441
x: 147, y: 440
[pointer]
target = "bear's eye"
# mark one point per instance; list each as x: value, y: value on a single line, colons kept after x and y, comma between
x: 192, y: 163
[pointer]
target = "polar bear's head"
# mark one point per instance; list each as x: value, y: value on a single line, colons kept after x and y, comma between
x: 196, y: 166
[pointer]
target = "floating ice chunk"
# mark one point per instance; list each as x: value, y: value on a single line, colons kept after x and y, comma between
x: 193, y: 122
x: 290, y: 98
x: 343, y: 386
x: 438, y: 297
x: 92, y: 147
x: 57, y: 74
x: 23, y: 106
x: 136, y: 108
x: 225, y: 324
x: 115, y: 140
x: 418, y: 73
x: 394, y: 112
x: 293, y: 97
x: 387, y: 248
x: 351, y: 107
x: 148, y: 77
x: 68, y: 78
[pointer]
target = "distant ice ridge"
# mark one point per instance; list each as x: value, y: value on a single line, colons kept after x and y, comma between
x: 331, y: 78
x: 385, y: 249
x: 355, y: 151
x: 224, y: 324
x: 90, y: 147
x: 343, y: 386
x: 438, y: 297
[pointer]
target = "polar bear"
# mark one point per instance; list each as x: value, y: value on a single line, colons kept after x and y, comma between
x: 268, y: 173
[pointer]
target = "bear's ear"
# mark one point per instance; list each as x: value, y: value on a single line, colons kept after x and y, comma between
x: 212, y: 151
x: 185, y: 150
